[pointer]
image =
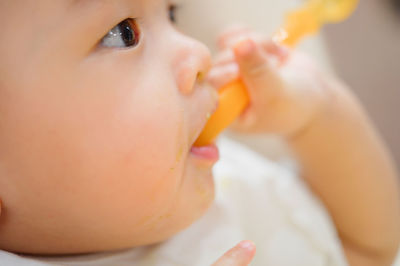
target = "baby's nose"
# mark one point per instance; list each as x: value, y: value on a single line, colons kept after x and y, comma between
x: 192, y: 66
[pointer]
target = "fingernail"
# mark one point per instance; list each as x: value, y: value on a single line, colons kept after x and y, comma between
x: 248, y: 245
x: 244, y: 47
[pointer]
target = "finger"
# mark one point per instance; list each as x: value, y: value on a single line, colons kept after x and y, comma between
x: 270, y: 46
x: 255, y: 67
x: 240, y: 255
x: 280, y: 52
x: 232, y: 35
x: 224, y: 57
x: 222, y: 75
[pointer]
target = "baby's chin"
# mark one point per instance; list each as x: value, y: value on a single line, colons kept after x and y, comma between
x: 195, y: 198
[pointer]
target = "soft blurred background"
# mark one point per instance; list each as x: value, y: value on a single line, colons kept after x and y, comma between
x: 364, y: 51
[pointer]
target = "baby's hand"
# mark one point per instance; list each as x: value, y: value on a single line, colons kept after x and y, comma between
x: 241, y: 255
x: 286, y: 90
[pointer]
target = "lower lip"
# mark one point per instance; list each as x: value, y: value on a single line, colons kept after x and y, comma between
x: 209, y: 152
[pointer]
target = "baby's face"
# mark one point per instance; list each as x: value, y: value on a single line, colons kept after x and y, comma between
x: 100, y: 103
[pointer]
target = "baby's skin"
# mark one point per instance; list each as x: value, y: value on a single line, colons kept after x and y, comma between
x: 101, y: 102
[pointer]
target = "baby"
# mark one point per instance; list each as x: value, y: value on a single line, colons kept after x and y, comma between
x: 101, y: 102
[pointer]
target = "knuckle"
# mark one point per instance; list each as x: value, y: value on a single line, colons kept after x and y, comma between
x: 258, y: 69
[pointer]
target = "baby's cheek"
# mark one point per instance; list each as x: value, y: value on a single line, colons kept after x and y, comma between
x: 154, y: 160
x: 134, y: 152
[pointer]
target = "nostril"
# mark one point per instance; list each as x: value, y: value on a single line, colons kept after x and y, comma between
x: 201, y: 76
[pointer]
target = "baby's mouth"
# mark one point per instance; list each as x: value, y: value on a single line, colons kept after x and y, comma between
x: 208, y: 152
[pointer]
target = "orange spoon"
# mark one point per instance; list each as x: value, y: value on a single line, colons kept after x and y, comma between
x: 233, y: 99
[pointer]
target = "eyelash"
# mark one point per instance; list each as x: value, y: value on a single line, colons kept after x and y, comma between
x: 172, y: 10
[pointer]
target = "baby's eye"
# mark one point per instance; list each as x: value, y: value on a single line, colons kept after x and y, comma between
x: 172, y: 9
x: 125, y: 34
